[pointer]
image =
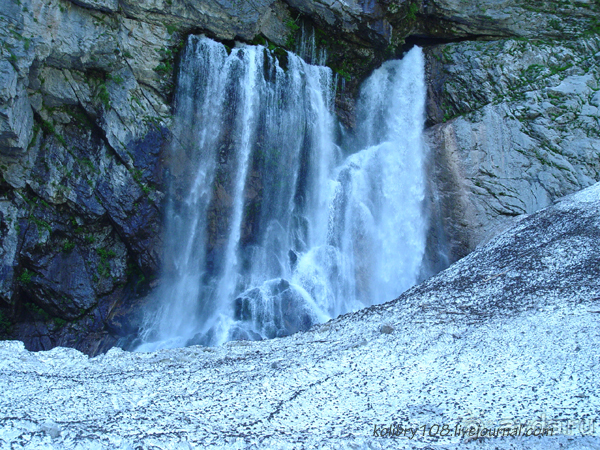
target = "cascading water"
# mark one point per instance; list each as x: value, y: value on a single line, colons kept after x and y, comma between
x: 271, y: 226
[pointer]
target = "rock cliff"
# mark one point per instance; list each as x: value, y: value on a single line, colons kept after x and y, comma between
x: 85, y: 117
x: 505, y: 339
x: 515, y: 125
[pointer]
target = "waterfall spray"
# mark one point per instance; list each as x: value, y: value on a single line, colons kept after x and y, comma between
x: 271, y: 226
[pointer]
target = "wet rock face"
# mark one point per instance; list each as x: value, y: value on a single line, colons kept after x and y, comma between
x: 79, y: 233
x: 291, y: 312
x: 83, y: 125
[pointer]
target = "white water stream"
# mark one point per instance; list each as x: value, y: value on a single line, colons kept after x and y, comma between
x: 273, y: 227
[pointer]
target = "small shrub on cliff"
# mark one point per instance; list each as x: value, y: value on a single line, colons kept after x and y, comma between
x: 293, y: 27
x: 49, y: 129
x: 104, y: 254
x: 117, y: 78
x: 5, y: 324
x: 58, y: 322
x: 25, y: 277
x: 103, y: 95
x: 104, y: 266
x: 35, y: 309
x: 164, y: 68
x: 411, y: 14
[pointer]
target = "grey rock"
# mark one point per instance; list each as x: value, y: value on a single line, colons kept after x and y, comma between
x: 101, y: 5
x: 68, y: 279
x: 51, y: 429
x: 492, y: 18
x: 273, y: 24
x: 134, y: 111
x: 58, y: 88
x: 293, y: 314
x: 64, y: 284
x: 133, y: 214
x: 226, y: 19
x: 490, y: 342
x: 16, y: 117
x: 511, y: 141
x: 386, y: 329
x: 364, y: 19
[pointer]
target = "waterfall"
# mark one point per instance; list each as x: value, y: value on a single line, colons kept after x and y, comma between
x: 271, y: 225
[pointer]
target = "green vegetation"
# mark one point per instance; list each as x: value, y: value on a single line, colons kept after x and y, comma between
x: 49, y: 129
x: 555, y: 24
x: 293, y: 27
x: 40, y: 224
x: 116, y: 78
x: 532, y: 72
x: 60, y: 323
x: 104, y: 254
x: 411, y: 13
x: 13, y: 60
x: 594, y: 27
x: 89, y: 164
x: 104, y: 267
x: 68, y: 247
x: 133, y: 272
x: 80, y: 117
x: 76, y: 227
x: 37, y: 310
x: 344, y: 74
x: 137, y: 176
x: 5, y: 323
x: 166, y: 54
x: 447, y: 58
x: 555, y: 70
x: 103, y: 95
x: 164, y: 68
x: 292, y: 24
x: 25, y: 277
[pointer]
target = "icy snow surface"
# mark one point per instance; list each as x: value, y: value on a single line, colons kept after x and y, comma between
x: 509, y: 334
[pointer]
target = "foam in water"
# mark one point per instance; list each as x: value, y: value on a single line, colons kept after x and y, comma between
x: 272, y: 227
